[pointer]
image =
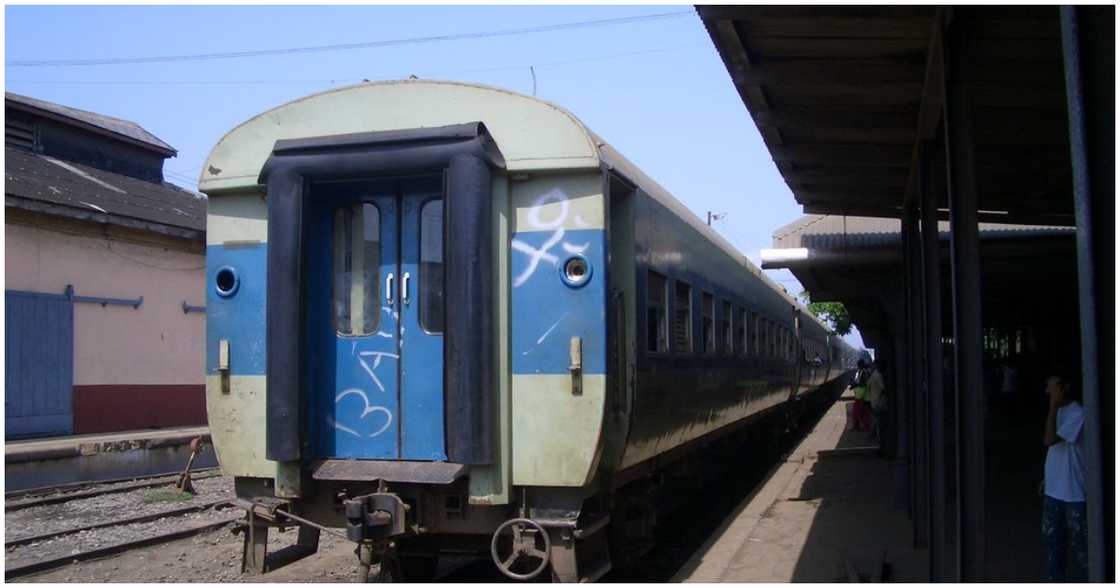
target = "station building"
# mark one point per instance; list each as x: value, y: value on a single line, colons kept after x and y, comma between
x: 104, y: 269
x: 957, y: 168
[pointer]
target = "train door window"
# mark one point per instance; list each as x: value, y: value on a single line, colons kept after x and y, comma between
x: 741, y: 332
x: 726, y: 319
x: 431, y: 266
x: 708, y: 326
x: 682, y: 318
x: 657, y: 303
x: 356, y: 259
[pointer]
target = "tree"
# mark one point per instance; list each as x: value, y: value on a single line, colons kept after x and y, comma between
x: 833, y: 313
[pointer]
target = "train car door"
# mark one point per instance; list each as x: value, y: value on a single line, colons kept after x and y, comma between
x: 374, y: 317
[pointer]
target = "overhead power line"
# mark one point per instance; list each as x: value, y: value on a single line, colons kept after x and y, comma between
x: 349, y: 46
x: 341, y: 80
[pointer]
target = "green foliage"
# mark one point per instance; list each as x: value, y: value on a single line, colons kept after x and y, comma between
x: 833, y: 313
x: 166, y: 495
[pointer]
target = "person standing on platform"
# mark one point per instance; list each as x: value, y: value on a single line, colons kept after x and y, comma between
x: 1063, y: 487
x: 861, y: 410
x: 877, y: 400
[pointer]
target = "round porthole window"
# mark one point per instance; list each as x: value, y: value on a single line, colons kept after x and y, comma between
x: 226, y: 281
x: 576, y: 271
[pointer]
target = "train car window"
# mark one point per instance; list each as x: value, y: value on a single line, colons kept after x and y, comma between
x: 772, y: 338
x: 431, y: 290
x: 657, y: 305
x: 726, y: 321
x: 682, y: 318
x: 741, y: 332
x: 757, y: 335
x: 708, y: 325
x: 356, y: 268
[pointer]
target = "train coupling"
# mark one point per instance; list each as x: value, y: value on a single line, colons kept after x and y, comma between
x: 374, y: 517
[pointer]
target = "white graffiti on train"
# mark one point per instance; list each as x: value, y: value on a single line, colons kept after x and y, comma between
x: 364, y: 359
x: 367, y: 410
x: 556, y: 224
x: 370, y: 369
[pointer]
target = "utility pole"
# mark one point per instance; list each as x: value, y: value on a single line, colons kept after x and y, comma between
x: 715, y: 217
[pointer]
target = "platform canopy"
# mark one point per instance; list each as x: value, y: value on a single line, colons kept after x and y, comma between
x: 843, y: 95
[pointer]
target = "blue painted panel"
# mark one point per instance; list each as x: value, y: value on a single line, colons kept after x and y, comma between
x: 422, y: 409
x: 352, y: 381
x: 39, y: 360
x: 547, y: 312
x: 238, y: 318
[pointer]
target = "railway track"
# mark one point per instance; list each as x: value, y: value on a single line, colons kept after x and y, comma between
x: 40, y: 550
x: 43, y: 565
x: 67, y: 492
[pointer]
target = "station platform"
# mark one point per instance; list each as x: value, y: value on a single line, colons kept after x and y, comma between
x: 824, y: 514
x: 33, y: 463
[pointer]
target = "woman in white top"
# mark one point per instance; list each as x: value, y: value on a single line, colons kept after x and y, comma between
x: 1063, y: 488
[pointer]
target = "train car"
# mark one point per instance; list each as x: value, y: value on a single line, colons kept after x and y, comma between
x: 449, y: 318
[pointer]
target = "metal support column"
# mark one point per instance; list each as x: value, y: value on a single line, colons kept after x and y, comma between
x: 919, y: 466
x: 967, y: 326
x: 935, y: 396
x: 1091, y: 126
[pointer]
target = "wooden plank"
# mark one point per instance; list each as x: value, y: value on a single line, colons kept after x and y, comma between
x: 834, y: 26
x: 817, y: 194
x: 827, y: 72
x: 842, y: 154
x: 737, y: 12
x: 893, y: 50
x: 862, y: 95
x: 836, y: 118
x: 895, y: 136
x: 880, y: 176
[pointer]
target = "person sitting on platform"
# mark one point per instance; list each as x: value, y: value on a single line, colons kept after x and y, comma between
x: 1063, y: 488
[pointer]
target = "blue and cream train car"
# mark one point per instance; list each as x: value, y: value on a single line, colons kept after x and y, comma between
x: 449, y: 318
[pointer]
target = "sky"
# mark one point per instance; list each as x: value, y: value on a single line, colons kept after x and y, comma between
x: 656, y: 89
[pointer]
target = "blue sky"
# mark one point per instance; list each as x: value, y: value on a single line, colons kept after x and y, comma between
x: 655, y: 89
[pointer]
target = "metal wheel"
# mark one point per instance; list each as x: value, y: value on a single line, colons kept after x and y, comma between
x: 529, y: 542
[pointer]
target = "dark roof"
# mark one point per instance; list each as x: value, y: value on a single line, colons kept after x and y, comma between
x: 844, y: 95
x: 38, y: 182
x: 115, y: 126
x: 824, y: 231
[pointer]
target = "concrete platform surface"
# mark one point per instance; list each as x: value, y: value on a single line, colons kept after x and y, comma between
x: 26, y: 446
x: 819, y: 517
x: 35, y: 463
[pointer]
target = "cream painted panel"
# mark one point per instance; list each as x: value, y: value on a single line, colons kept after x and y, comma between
x: 551, y: 202
x: 236, y: 217
x: 237, y: 422
x: 555, y: 434
x: 490, y: 484
x: 531, y: 134
x: 154, y: 344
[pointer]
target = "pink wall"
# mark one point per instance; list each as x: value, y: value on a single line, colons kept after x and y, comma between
x: 154, y: 345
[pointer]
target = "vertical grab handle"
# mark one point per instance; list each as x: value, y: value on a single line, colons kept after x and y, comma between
x: 223, y: 364
x: 389, y: 288
x: 575, y: 352
x: 404, y: 288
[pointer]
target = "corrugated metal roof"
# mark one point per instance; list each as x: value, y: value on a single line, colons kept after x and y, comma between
x: 118, y: 126
x: 825, y: 231
x: 45, y: 179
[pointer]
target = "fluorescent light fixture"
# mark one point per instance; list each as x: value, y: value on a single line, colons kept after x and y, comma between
x: 784, y: 254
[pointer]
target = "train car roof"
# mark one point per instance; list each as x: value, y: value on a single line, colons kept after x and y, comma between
x: 533, y: 134
x: 632, y: 173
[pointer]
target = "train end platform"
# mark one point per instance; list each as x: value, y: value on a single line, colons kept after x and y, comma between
x: 825, y: 514
x: 33, y: 463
